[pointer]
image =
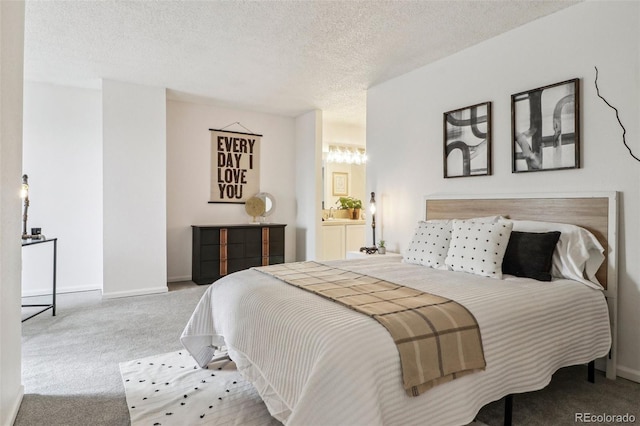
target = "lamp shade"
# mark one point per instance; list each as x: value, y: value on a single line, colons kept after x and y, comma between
x: 372, y: 203
x: 24, y: 191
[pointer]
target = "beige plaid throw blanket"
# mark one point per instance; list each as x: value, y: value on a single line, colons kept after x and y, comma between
x: 437, y: 338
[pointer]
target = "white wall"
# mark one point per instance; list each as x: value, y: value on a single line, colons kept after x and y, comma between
x: 405, y: 141
x: 189, y: 174
x: 308, y: 163
x: 134, y: 193
x: 11, y: 71
x: 343, y: 134
x: 62, y: 154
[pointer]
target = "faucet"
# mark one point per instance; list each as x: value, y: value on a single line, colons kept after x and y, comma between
x: 330, y: 212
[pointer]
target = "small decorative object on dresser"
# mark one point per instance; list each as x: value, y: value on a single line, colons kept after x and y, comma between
x: 220, y: 250
x: 269, y: 204
x: 254, y: 207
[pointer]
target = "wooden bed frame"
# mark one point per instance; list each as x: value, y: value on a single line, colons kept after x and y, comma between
x: 594, y: 211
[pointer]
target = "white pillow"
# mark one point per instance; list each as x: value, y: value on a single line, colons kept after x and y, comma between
x: 578, y: 254
x: 478, y: 248
x: 430, y: 244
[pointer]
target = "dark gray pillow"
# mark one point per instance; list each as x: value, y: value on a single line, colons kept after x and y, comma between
x: 529, y: 254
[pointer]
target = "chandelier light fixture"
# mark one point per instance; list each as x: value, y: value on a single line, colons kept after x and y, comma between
x: 346, y: 155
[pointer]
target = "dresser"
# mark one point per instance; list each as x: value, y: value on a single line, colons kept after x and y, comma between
x: 219, y: 250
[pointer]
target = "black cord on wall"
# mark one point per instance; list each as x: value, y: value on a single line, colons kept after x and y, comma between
x: 624, y: 131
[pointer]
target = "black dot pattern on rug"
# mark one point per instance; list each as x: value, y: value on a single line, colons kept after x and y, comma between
x: 194, y: 402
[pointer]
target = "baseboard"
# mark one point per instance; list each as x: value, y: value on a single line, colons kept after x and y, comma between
x: 60, y: 290
x: 15, y: 407
x: 628, y: 373
x: 129, y: 293
x: 179, y: 279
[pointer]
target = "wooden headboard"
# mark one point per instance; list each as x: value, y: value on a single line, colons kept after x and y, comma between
x: 596, y: 212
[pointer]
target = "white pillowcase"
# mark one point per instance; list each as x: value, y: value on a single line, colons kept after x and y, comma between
x: 578, y: 254
x: 478, y: 247
x: 430, y: 244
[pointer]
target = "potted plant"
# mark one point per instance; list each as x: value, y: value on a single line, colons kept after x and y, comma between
x: 346, y: 203
x: 357, y: 207
x: 382, y: 249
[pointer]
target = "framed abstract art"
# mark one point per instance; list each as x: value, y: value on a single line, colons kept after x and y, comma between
x: 545, y: 126
x: 467, y: 141
x: 340, y: 185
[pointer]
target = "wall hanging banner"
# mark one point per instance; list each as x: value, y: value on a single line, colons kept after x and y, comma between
x: 235, y: 166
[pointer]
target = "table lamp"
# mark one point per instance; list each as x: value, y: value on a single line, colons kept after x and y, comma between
x: 372, y: 210
x: 24, y: 194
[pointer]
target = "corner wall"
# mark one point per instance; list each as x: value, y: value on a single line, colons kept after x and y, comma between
x: 308, y: 188
x: 134, y: 189
x: 62, y: 155
x: 11, y: 72
x: 405, y: 141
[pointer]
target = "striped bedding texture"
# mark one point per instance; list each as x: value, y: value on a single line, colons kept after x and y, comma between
x: 316, y: 362
x: 438, y: 339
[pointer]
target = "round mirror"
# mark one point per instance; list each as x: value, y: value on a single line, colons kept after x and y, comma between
x: 269, y: 203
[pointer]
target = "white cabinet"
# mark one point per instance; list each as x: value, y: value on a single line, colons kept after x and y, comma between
x: 339, y: 237
x: 354, y: 237
x: 333, y: 242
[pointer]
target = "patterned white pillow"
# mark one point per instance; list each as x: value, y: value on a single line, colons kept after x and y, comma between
x: 430, y: 244
x: 478, y: 248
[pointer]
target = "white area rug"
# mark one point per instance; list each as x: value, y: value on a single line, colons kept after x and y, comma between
x: 170, y: 389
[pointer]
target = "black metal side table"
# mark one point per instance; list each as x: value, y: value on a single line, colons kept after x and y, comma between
x: 52, y: 305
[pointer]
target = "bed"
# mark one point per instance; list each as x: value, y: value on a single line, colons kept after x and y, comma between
x: 317, y: 362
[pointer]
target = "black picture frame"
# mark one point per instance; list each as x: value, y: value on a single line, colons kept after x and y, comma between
x: 545, y: 125
x: 467, y: 141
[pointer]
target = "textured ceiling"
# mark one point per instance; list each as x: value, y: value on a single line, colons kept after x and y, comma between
x: 283, y: 57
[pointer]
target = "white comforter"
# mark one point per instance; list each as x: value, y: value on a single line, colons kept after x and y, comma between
x: 315, y: 362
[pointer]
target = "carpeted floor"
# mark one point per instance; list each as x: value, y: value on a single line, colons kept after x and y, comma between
x: 70, y: 361
x: 71, y: 366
